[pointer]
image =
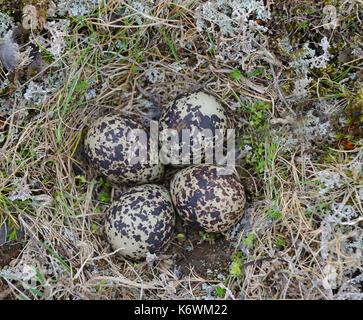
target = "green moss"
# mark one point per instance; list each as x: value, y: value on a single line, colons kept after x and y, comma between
x: 355, y: 107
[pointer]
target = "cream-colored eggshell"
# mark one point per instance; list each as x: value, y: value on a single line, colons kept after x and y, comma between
x: 140, y: 221
x: 196, y: 111
x: 107, y: 146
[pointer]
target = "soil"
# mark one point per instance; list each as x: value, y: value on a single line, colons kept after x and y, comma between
x: 8, y: 252
x: 204, y: 257
x: 207, y: 260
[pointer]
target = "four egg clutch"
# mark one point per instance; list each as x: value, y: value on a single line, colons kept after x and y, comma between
x: 209, y: 197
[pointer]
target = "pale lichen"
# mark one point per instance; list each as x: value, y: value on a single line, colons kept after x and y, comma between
x: 35, y: 93
x: 230, y: 15
x: 154, y: 75
x: 235, y: 23
x: 58, y: 33
x: 6, y: 24
x: 77, y: 8
x: 329, y: 180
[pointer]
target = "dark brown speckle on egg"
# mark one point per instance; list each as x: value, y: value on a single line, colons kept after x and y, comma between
x: 198, y: 112
x: 140, y: 221
x: 108, y: 144
x: 208, y: 201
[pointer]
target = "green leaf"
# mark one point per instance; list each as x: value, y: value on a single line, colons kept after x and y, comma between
x: 32, y: 289
x: 220, y: 292
x: 235, y: 74
x: 280, y: 242
x: 249, y: 240
x: 12, y: 235
x: 81, y: 178
x: 235, y: 268
x: 104, y: 197
x: 212, y: 49
x: 39, y: 275
x: 57, y: 257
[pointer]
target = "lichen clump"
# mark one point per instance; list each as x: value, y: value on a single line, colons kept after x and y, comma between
x: 6, y: 23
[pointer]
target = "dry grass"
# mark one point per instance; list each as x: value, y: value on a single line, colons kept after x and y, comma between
x: 66, y: 254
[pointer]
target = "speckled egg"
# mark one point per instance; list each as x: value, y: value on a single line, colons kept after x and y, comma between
x: 210, y: 198
x: 140, y: 221
x: 109, y: 145
x: 199, y: 113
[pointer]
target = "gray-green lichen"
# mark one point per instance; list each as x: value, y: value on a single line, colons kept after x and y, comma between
x: 77, y: 8
x: 236, y: 25
x: 6, y: 23
x: 230, y: 14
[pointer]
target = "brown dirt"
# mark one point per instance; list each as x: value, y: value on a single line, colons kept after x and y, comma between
x: 208, y: 259
x: 7, y: 254
x: 205, y: 258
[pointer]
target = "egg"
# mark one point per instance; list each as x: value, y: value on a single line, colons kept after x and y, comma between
x: 210, y: 198
x: 142, y: 220
x: 197, y: 114
x: 109, y: 145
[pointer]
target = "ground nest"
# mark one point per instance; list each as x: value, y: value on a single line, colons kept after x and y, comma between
x: 289, y: 75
